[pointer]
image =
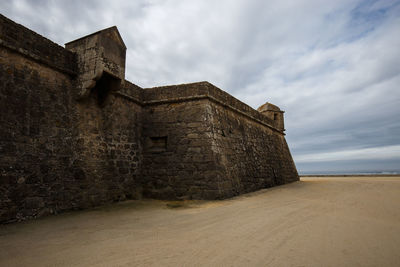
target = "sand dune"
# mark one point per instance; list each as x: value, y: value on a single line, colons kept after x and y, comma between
x: 336, y: 221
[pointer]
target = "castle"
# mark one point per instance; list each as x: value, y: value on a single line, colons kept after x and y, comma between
x: 75, y: 134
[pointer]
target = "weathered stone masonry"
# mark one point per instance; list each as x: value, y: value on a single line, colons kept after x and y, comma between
x: 75, y: 134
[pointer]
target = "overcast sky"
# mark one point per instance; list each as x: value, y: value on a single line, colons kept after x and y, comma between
x: 333, y: 66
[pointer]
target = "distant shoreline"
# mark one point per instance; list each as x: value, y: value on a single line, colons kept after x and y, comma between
x: 351, y: 175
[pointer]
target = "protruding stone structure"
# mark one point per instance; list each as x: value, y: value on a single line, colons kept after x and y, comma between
x: 274, y: 113
x: 101, y: 60
x: 118, y: 141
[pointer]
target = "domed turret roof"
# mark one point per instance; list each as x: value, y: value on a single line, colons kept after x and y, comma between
x: 268, y: 107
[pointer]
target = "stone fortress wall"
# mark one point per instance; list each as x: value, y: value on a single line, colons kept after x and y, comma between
x: 75, y: 134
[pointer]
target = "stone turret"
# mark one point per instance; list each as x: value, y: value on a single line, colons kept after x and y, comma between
x: 274, y: 113
x: 101, y: 61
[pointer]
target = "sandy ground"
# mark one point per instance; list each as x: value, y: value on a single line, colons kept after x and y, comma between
x: 315, y: 222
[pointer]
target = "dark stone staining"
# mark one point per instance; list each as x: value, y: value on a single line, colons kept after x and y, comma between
x: 156, y: 144
x: 185, y: 169
x: 104, y: 86
x: 60, y: 153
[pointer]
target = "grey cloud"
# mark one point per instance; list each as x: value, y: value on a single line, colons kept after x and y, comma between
x: 333, y: 66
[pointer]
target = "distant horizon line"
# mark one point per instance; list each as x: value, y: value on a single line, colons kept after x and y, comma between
x: 306, y: 173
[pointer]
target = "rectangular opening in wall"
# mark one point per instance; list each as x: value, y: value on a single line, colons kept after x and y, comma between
x: 104, y: 86
x: 157, y: 143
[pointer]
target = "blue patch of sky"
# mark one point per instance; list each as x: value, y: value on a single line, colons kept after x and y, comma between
x: 365, y: 18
